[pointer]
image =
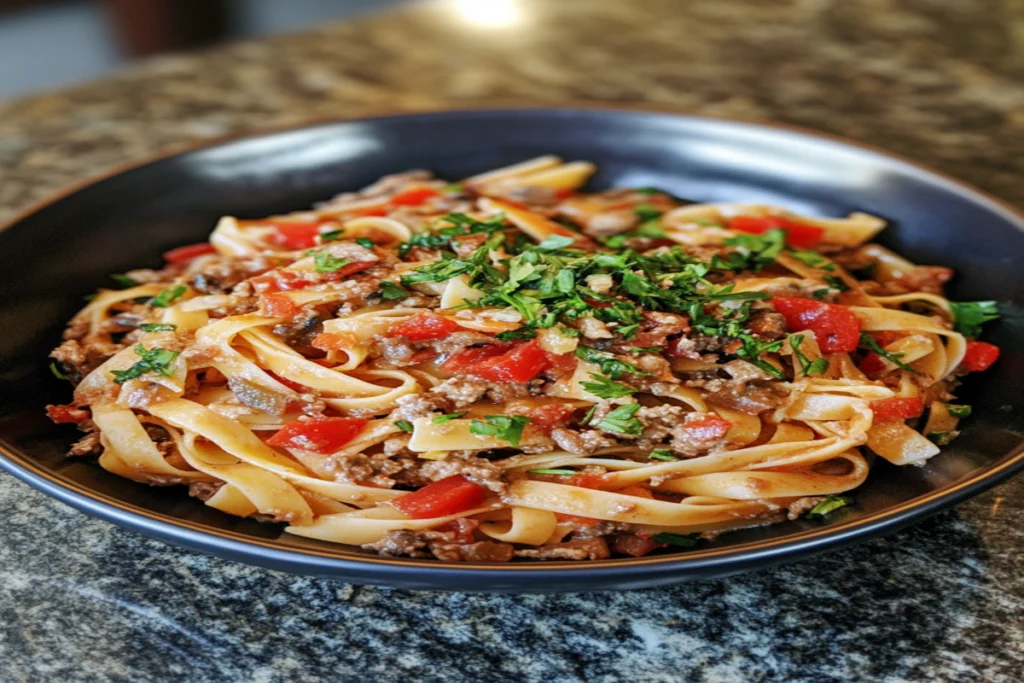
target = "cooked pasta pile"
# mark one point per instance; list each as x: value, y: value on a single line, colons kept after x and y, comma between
x: 508, y: 367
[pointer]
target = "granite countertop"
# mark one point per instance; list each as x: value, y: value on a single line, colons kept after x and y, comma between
x: 940, y: 82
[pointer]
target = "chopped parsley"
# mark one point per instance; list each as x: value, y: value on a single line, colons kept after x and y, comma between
x: 553, y: 470
x: 506, y: 427
x: 662, y: 454
x: 959, y: 412
x: 441, y: 419
x: 589, y: 416
x: 942, y: 438
x: 870, y: 343
x: 604, y: 387
x: 753, y: 348
x: 807, y: 367
x: 454, y: 188
x: 389, y: 291
x: 404, y: 425
x: 836, y: 282
x: 160, y: 361
x: 332, y: 235
x: 520, y: 333
x: 556, y: 242
x: 326, y: 262
x: 687, y: 541
x: 448, y: 228
x: 753, y: 252
x: 157, y: 327
x: 56, y: 371
x: 828, y: 506
x: 365, y: 242
x: 968, y: 316
x: 610, y: 365
x: 812, y: 259
x: 646, y: 212
x: 621, y: 420
x: 168, y: 296
x: 124, y: 280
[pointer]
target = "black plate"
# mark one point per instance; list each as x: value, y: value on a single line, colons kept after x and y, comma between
x: 65, y: 249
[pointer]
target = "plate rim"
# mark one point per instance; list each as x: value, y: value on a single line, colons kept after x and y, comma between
x: 396, y: 571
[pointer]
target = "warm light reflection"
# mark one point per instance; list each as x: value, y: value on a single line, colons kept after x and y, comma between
x: 490, y: 13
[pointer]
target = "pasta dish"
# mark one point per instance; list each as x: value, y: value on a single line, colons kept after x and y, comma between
x: 509, y: 367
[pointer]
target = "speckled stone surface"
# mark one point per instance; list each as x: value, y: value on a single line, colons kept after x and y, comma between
x: 938, y: 81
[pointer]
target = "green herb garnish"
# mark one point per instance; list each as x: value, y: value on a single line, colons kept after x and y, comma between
x: 812, y: 259
x: 365, y: 242
x: 157, y: 327
x: 968, y: 316
x: 168, y: 296
x: 441, y: 419
x: 124, y: 280
x: 404, y: 425
x: 662, y: 454
x: 326, y: 262
x: 818, y: 366
x: 870, y: 343
x: 553, y: 470
x: 604, y: 387
x: 621, y: 420
x: 942, y: 438
x: 56, y: 371
x: 828, y: 506
x: 611, y: 366
x: 836, y: 282
x: 958, y: 411
x: 687, y: 541
x: 513, y: 335
x: 506, y: 427
x: 389, y: 291
x: 160, y: 361
x: 332, y: 235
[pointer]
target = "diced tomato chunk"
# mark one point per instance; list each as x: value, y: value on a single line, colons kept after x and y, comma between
x: 631, y: 544
x: 67, y: 414
x: 414, y: 197
x: 277, y: 306
x: 295, y: 234
x: 425, y: 326
x: 836, y: 327
x: 465, y: 358
x: 348, y: 269
x: 872, y: 364
x: 547, y: 417
x: 897, y: 409
x: 588, y: 481
x: 980, y: 356
x: 369, y: 211
x: 520, y: 363
x: 707, y: 427
x: 798, y: 235
x: 188, y: 252
x: 333, y: 341
x: 325, y: 435
x: 442, y: 498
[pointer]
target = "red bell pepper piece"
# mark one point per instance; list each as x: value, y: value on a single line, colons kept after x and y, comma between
x: 325, y: 435
x: 414, y: 197
x: 189, y: 252
x: 799, y: 235
x: 872, y: 364
x: 521, y: 363
x: 897, y: 409
x: 442, y: 498
x: 980, y: 356
x: 424, y: 326
x: 836, y: 327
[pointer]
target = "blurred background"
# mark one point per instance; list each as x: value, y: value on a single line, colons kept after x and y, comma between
x: 46, y: 44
